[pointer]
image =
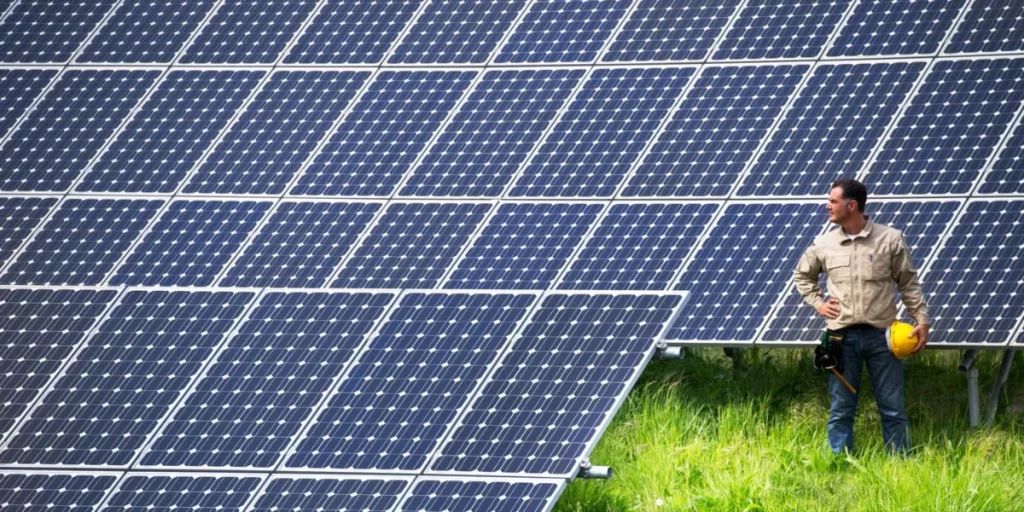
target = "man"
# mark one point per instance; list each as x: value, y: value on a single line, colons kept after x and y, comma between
x: 863, y: 261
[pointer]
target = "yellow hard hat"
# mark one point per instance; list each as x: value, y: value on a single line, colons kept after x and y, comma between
x: 901, y: 339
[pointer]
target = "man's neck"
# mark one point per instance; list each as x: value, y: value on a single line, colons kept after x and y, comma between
x: 855, y: 224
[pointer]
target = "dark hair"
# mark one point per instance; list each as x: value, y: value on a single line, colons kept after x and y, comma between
x: 855, y: 190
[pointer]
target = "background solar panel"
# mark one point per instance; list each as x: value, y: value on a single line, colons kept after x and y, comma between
x: 457, y: 31
x: 170, y: 131
x: 412, y: 245
x: 989, y: 26
x: 781, y: 29
x: 242, y: 31
x: 48, y: 31
x: 1006, y: 176
x: 282, y: 124
x: 523, y: 246
x: 190, y: 243
x: 384, y: 133
x: 352, y: 32
x: 407, y: 386
x: 18, y: 89
x: 125, y: 379
x: 950, y: 128
x: 269, y: 378
x: 63, y: 133
x: 437, y: 494
x: 715, y: 130
x: 161, y: 493
x: 56, y: 493
x: 602, y: 132
x: 831, y: 128
x: 493, y: 133
x: 563, y: 31
x: 660, y: 30
x: 146, y: 31
x: 363, y: 494
x: 559, y: 384
x: 19, y: 217
x: 879, y: 27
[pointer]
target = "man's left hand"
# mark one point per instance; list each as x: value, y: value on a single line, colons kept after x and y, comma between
x: 921, y: 331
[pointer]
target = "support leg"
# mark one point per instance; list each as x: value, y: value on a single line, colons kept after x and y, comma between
x: 997, y: 387
x: 973, y: 400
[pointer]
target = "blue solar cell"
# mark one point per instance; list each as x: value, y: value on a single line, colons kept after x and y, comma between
x: 406, y: 388
x: 352, y: 32
x: 457, y: 32
x: 244, y: 32
x: 412, y: 245
x: 1007, y: 173
x: 81, y: 242
x: 362, y: 494
x: 39, y: 329
x: 18, y: 219
x: 48, y: 31
x: 270, y: 377
x: 524, y: 246
x: 638, y: 246
x: 35, y: 492
x: 989, y: 26
x: 950, y: 128
x: 146, y: 31
x: 878, y: 27
x: 169, y: 132
x: 436, y: 495
x: 831, y: 128
x: 282, y: 124
x: 602, y: 132
x: 558, y: 385
x: 384, y: 133
x: 190, y: 243
x: 781, y: 29
x: 18, y: 88
x: 63, y: 133
x: 492, y: 133
x: 742, y: 266
x: 300, y: 245
x: 125, y: 379
x: 715, y: 131
x: 563, y: 31
x: 662, y: 30
x: 171, y: 493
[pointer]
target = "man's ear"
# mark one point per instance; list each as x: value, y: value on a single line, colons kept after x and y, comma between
x: 853, y: 206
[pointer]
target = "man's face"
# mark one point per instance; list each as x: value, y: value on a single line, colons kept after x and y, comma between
x: 839, y: 209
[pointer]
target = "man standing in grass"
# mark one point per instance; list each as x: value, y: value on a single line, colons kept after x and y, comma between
x: 863, y: 261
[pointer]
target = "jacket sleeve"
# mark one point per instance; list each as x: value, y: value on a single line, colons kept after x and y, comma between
x: 806, y: 277
x: 905, y: 275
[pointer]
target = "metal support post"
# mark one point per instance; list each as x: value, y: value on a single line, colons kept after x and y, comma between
x: 997, y: 387
x: 973, y: 401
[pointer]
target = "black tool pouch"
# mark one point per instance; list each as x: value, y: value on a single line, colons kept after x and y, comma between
x: 829, y: 354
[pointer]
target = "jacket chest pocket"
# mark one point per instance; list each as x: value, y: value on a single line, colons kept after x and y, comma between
x: 838, y: 268
x: 877, y: 267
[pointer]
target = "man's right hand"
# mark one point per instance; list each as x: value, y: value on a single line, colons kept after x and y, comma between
x: 830, y: 309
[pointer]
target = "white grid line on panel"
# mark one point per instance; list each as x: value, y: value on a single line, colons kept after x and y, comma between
x: 32, y: 106
x: 725, y: 30
x: 404, y: 32
x: 285, y: 475
x: 956, y: 26
x: 614, y: 34
x: 1000, y: 146
x: 313, y: 13
x: 823, y: 54
x: 264, y: 477
x: 508, y: 33
x: 138, y: 240
x: 697, y: 244
x: 16, y: 253
x: 942, y: 44
x: 1015, y: 332
x: 574, y: 255
x: 549, y: 505
x: 195, y: 33
x: 92, y: 34
x: 469, y: 243
x: 121, y: 475
x: 9, y: 10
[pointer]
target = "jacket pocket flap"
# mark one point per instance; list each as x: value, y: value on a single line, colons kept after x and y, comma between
x: 837, y: 261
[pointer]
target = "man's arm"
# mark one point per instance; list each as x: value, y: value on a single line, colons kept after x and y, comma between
x: 905, y: 275
x: 806, y: 278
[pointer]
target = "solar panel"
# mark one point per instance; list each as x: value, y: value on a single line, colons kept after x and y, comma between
x: 440, y: 494
x: 412, y: 245
x: 169, y: 132
x: 1006, y: 175
x: 677, y: 30
x: 492, y: 133
x: 379, y: 140
x: 146, y: 31
x: 408, y: 385
x: 828, y: 133
x: 300, y: 245
x: 60, y: 492
x: 715, y: 131
x: 457, y: 32
x: 62, y: 134
x: 352, y: 32
x: 18, y: 90
x: 170, y: 493
x: 19, y: 217
x: 554, y: 391
x: 190, y: 243
x: 879, y: 27
x: 125, y: 378
x: 244, y: 32
x: 267, y: 381
x: 332, y: 493
x: 48, y: 31
x: 283, y: 123
x: 950, y: 128
x: 602, y: 132
x: 989, y: 26
x: 523, y: 246
x: 781, y: 29
x: 563, y: 31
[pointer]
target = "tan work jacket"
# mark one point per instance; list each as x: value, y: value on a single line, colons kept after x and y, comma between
x: 863, y: 273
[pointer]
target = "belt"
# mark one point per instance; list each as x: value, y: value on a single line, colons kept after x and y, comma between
x: 860, y: 327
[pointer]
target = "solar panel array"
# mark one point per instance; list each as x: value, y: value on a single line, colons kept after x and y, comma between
x: 412, y: 255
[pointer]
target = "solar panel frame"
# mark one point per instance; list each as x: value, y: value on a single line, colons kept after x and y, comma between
x: 940, y: 42
x: 114, y: 475
x: 216, y: 59
x: 265, y: 490
x: 955, y: 30
x: 106, y: 505
x: 36, y: 98
x: 287, y: 57
x: 745, y: 4
x: 80, y: 47
x: 1013, y: 130
x: 714, y: 43
x: 499, y: 53
x: 117, y: 10
x: 51, y: 210
x: 560, y: 485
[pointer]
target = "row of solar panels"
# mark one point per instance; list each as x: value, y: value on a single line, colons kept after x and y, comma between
x: 497, y: 31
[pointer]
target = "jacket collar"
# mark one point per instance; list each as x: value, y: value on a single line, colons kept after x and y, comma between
x: 864, y: 233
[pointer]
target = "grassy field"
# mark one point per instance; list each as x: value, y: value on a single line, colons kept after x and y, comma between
x: 698, y: 435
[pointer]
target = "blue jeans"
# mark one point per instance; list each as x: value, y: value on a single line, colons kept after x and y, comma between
x: 866, y: 344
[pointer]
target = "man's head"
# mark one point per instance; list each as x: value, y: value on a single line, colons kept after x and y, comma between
x: 846, y: 200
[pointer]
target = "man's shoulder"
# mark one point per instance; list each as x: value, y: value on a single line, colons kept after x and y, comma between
x: 883, y: 231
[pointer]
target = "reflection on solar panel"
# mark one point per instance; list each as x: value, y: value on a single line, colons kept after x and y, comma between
x: 457, y: 32
x: 660, y: 30
x: 781, y: 29
x: 1006, y: 175
x: 169, y: 493
x: 436, y: 494
x: 831, y: 128
x: 602, y: 132
x: 324, y: 493
x: 56, y: 492
x: 242, y: 31
x: 146, y: 31
x: 125, y: 379
x: 563, y: 31
x: 48, y: 31
x: 352, y: 32
x: 879, y: 27
x: 989, y: 26
x: 18, y: 88
x: 18, y: 218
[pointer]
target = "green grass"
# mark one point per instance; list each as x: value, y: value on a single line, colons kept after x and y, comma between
x: 698, y: 435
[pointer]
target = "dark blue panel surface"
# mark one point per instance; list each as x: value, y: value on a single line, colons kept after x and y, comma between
x: 300, y: 245
x: 602, y: 132
x: 170, y: 131
x: 352, y: 32
x: 19, y: 216
x: 457, y: 31
x: 18, y: 88
x: 781, y: 29
x: 716, y: 129
x: 440, y: 495
x: 638, y: 246
x: 282, y: 124
x: 412, y: 245
x: 158, y: 493
x: 270, y: 377
x: 362, y: 494
x: 563, y: 31
x: 493, y: 133
x: 671, y: 30
x: 125, y: 379
x: 381, y: 137
x: 884, y: 27
x: 190, y: 243
x: 1007, y: 173
x: 989, y: 26
x: 53, y: 493
x: 406, y: 388
x: 829, y: 131
x: 246, y: 32
x: 82, y: 242
x: 146, y: 31
x: 524, y: 246
x: 63, y: 133
x: 49, y: 31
